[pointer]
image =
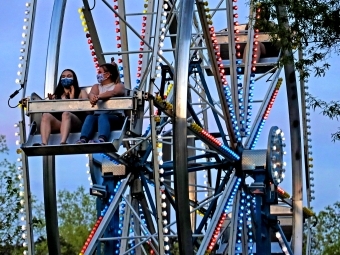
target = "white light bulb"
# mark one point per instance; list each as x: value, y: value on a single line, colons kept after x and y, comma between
x: 24, y: 35
x: 20, y: 65
x: 26, y: 19
x: 22, y: 218
x: 23, y: 42
x: 163, y: 196
x: 164, y: 205
x: 25, y: 27
x: 24, y: 244
x: 166, y: 247
x: 160, y: 162
x: 166, y: 239
x: 24, y: 236
x: 161, y: 171
x: 28, y: 4
x: 164, y: 213
x: 23, y: 227
x: 161, y: 179
x: 22, y: 50
x: 165, y: 222
x: 165, y: 230
x: 277, y: 234
x: 283, y: 175
x: 17, y: 81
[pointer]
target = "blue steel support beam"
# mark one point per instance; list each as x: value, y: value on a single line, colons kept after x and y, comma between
x: 211, y: 101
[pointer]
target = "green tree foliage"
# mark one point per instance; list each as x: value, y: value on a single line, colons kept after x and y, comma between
x: 76, y: 216
x: 10, y: 230
x: 326, y: 234
x: 313, y: 28
x: 331, y: 110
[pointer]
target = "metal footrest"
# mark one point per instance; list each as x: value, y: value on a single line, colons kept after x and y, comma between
x: 110, y: 168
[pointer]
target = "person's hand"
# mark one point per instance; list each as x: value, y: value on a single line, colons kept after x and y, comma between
x: 65, y: 95
x: 93, y: 99
x: 71, y: 92
x: 50, y: 96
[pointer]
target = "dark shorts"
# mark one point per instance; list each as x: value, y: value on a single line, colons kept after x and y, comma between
x: 80, y: 115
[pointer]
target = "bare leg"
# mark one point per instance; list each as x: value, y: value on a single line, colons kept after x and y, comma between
x: 68, y: 121
x: 48, y: 124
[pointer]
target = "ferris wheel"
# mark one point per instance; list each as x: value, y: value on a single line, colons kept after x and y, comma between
x: 183, y: 171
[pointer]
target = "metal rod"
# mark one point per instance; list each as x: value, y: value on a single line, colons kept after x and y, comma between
x: 53, y: 48
x: 156, y: 183
x: 27, y: 191
x: 50, y: 203
x: 295, y: 138
x: 133, y: 30
x: 93, y: 32
x: 180, y: 127
x: 126, y: 52
x: 125, y: 45
x: 27, y: 55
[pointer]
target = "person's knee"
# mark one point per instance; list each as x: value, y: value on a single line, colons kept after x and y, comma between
x: 46, y: 117
x: 103, y: 117
x: 66, y: 116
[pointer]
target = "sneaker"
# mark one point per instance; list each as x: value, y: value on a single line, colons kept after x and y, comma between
x: 80, y: 141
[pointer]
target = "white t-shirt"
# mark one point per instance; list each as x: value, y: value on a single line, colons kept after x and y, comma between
x: 104, y: 88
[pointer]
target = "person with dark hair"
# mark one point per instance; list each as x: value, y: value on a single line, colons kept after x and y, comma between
x: 67, y: 88
x: 106, y: 88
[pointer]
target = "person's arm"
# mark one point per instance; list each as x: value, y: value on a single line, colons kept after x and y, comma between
x: 71, y: 92
x: 83, y: 94
x: 119, y: 90
x: 93, y: 95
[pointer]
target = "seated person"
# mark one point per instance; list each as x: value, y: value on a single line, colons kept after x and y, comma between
x: 63, y: 122
x: 106, y: 88
x: 262, y: 24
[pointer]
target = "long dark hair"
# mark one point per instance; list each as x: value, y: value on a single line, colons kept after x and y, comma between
x: 108, y: 67
x: 60, y: 89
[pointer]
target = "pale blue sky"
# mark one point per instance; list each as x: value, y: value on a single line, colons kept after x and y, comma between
x: 71, y: 170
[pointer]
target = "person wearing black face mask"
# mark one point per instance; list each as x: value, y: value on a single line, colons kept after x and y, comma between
x: 63, y: 122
